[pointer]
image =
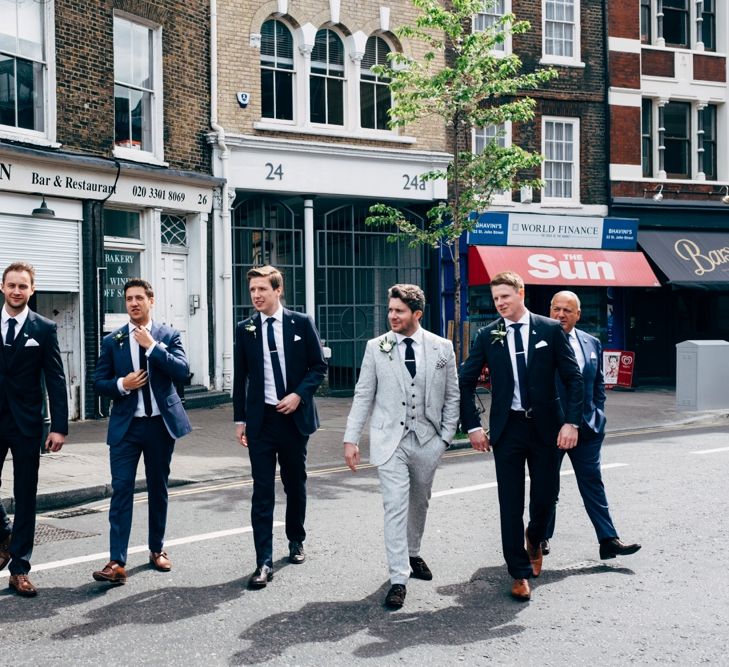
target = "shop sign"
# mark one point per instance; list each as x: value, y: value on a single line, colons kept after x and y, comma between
x: 554, y: 231
x: 618, y: 368
x: 140, y: 189
x: 121, y: 265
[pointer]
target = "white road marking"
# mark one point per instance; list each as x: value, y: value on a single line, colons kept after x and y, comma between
x: 135, y: 550
x: 712, y: 451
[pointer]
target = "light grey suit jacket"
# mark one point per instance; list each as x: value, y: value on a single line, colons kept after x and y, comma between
x: 381, y: 389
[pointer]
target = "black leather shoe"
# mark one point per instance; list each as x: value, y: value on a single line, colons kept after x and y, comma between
x: 261, y: 577
x: 296, y: 553
x: 545, y: 547
x: 614, y: 547
x: 419, y: 568
x: 395, y: 596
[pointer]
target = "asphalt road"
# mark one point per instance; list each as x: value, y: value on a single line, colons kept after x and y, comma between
x: 668, y: 603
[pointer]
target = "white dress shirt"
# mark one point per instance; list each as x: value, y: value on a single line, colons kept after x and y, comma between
x: 269, y: 384
x: 577, y: 347
x: 134, y: 350
x: 19, y: 318
x: 417, y: 339
x: 525, y: 322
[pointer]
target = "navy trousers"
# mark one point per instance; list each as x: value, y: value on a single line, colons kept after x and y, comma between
x: 585, y: 460
x: 147, y: 437
x: 26, y: 459
x: 281, y: 440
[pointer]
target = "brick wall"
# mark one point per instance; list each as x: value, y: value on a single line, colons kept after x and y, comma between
x: 624, y: 19
x: 658, y: 63
x: 625, y: 136
x: 709, y: 68
x: 85, y: 76
x: 624, y: 70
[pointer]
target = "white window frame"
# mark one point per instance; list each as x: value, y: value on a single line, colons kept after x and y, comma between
x: 506, y: 45
x: 156, y: 154
x: 296, y: 79
x: 46, y: 137
x: 504, y: 196
x: 695, y: 39
x: 575, y: 123
x: 575, y: 60
x: 357, y: 95
x: 345, y: 79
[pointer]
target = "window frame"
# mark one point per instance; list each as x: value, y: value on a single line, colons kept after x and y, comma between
x: 46, y: 136
x: 506, y: 47
x: 575, y: 60
x: 376, y: 83
x: 678, y: 13
x: 328, y: 78
x: 695, y: 27
x: 276, y: 70
x: 504, y: 196
x: 575, y: 161
x: 156, y: 153
x: 647, y: 137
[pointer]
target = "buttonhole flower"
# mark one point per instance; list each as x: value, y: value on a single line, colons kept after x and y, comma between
x: 120, y: 336
x: 498, y: 334
x: 386, y: 345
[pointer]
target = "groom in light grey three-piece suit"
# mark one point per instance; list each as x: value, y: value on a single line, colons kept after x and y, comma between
x: 408, y: 381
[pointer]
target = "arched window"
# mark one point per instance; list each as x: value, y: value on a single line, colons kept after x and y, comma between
x: 277, y: 71
x: 374, y: 91
x: 326, y: 85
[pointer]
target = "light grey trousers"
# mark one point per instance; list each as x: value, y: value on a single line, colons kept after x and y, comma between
x: 406, y: 479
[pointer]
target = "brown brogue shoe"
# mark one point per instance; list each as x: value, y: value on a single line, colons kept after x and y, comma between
x: 22, y: 586
x: 160, y: 561
x: 5, y: 551
x: 520, y: 590
x: 112, y: 573
x: 535, y: 555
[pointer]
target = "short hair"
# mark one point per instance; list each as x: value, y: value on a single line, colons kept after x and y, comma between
x: 139, y: 282
x: 411, y: 295
x: 569, y: 295
x: 275, y: 277
x: 509, y: 278
x: 21, y: 266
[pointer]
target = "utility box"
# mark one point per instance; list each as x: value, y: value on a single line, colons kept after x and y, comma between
x: 702, y: 369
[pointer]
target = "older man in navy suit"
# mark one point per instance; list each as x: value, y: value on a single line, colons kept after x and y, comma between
x: 585, y: 457
x: 279, y: 363
x: 138, y: 367
x: 28, y: 351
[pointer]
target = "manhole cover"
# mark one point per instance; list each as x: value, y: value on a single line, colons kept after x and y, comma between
x: 45, y: 533
x: 69, y: 514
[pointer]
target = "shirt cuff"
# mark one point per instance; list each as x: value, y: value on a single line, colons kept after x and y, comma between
x: 150, y: 348
x: 120, y: 387
x: 477, y: 428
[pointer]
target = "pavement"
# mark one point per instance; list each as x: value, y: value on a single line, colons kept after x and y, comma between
x: 79, y: 473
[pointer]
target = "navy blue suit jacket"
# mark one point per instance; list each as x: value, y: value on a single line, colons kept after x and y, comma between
x: 593, y: 404
x: 549, y: 353
x: 305, y: 370
x: 21, y: 367
x: 167, y: 364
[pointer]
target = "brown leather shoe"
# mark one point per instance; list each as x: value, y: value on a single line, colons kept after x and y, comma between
x: 535, y: 555
x: 5, y: 551
x: 160, y: 561
x: 22, y: 586
x: 113, y: 573
x: 520, y: 590
x: 261, y: 577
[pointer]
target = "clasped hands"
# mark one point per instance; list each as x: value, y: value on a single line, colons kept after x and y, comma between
x: 137, y: 379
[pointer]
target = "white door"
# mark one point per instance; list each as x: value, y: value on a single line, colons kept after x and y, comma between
x: 173, y: 309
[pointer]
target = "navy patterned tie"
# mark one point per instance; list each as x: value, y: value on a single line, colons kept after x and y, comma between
x: 275, y: 363
x: 146, y: 393
x: 409, y: 356
x: 10, y: 336
x: 521, y: 368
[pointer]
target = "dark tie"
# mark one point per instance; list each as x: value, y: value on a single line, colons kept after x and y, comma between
x: 10, y: 336
x: 409, y: 356
x: 275, y: 363
x: 146, y: 393
x: 521, y: 368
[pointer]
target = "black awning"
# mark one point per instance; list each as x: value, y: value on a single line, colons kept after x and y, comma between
x: 689, y: 259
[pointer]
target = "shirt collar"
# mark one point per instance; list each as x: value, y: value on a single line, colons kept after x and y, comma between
x: 133, y: 326
x: 19, y: 318
x: 524, y: 319
x: 278, y: 315
x: 417, y: 336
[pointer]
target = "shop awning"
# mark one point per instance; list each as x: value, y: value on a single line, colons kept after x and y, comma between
x: 561, y: 266
x: 692, y: 259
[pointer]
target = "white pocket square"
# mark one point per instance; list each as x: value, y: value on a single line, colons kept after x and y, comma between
x: 541, y: 343
x: 31, y: 342
x: 296, y: 337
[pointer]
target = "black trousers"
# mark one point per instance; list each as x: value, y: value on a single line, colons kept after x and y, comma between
x: 26, y: 460
x: 280, y: 440
x: 520, y: 445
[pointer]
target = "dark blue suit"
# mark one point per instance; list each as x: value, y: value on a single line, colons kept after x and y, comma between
x: 34, y: 355
x: 585, y: 457
x: 130, y: 437
x: 272, y: 435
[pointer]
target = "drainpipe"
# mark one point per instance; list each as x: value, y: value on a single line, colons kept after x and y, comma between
x: 223, y: 250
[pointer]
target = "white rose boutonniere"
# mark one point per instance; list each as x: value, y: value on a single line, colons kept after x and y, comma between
x: 250, y: 328
x: 120, y: 336
x: 386, y: 346
x: 498, y: 334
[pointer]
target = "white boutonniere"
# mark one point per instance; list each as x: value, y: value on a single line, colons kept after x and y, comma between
x: 386, y: 346
x: 250, y: 328
x: 120, y: 336
x: 498, y: 334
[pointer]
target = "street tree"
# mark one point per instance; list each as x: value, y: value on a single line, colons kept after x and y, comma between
x: 467, y: 81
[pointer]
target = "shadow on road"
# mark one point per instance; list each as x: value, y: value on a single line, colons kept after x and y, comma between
x: 482, y: 609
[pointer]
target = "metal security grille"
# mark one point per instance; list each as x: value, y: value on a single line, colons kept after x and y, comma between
x: 356, y: 265
x: 174, y: 231
x: 266, y: 231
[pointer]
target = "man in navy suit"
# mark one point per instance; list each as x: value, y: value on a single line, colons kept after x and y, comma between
x: 279, y: 363
x: 585, y: 457
x: 28, y: 350
x: 138, y: 368
x: 524, y: 352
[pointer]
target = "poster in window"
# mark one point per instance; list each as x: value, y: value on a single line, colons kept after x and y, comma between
x: 121, y: 265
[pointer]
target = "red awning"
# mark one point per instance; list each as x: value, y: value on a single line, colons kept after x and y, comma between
x: 561, y: 266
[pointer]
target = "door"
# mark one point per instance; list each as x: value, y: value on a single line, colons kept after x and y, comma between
x: 172, y: 308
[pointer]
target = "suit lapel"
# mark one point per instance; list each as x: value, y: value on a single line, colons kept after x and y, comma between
x: 288, y: 336
x: 395, y: 365
x: 21, y: 337
x: 531, y: 341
